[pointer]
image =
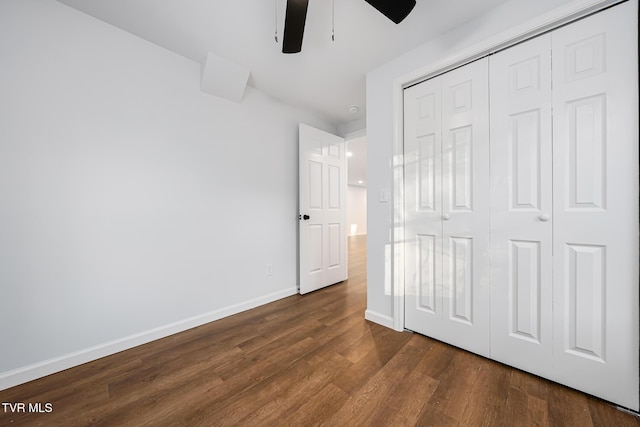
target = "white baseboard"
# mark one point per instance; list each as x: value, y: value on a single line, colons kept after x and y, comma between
x: 47, y: 367
x: 378, y: 318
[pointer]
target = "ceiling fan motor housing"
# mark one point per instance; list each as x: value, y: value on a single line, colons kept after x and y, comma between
x: 395, y: 10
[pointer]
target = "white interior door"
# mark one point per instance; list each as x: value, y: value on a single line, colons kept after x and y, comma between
x: 521, y: 206
x: 466, y: 272
x: 595, y: 219
x: 447, y: 270
x: 323, y: 213
x: 423, y: 208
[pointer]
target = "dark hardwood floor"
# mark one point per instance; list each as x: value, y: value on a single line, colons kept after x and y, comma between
x: 303, y: 361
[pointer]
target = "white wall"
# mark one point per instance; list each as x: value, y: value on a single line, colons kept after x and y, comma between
x: 357, y: 210
x: 131, y: 204
x: 381, y: 301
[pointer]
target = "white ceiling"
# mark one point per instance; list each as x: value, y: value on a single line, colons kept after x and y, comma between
x: 325, y: 77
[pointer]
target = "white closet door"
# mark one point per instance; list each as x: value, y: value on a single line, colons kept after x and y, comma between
x: 423, y: 208
x: 595, y: 130
x: 521, y: 206
x: 466, y: 269
x: 447, y: 269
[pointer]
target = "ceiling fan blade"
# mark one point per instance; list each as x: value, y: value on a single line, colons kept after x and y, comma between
x: 396, y: 10
x: 294, y: 25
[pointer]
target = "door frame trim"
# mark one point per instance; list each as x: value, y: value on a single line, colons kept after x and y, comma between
x: 553, y: 19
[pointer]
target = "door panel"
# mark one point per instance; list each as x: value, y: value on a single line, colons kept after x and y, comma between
x: 595, y: 131
x: 334, y: 246
x: 314, y: 257
x: 323, y: 255
x: 524, y: 288
x: 585, y: 316
x: 334, y: 188
x: 460, y: 172
x: 466, y: 207
x: 521, y: 206
x: 525, y: 169
x: 461, y: 286
x: 423, y: 208
x: 587, y: 153
x: 447, y: 208
x: 427, y: 180
x: 427, y: 279
x: 314, y: 193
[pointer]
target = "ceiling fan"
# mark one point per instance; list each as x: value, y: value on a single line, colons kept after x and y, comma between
x: 296, y: 15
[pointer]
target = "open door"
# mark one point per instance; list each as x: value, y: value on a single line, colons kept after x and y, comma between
x: 323, y: 211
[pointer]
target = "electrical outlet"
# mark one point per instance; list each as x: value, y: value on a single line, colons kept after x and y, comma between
x: 268, y: 271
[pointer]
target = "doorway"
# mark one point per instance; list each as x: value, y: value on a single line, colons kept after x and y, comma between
x: 357, y: 186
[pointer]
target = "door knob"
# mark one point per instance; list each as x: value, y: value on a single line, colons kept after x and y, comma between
x: 446, y: 217
x: 306, y: 217
x: 544, y: 217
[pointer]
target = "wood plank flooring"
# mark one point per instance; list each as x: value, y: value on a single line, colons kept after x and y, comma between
x: 304, y: 361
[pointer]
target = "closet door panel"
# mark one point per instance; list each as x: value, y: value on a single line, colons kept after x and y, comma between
x: 521, y: 206
x: 466, y: 207
x: 423, y: 208
x: 595, y: 219
x: 447, y: 279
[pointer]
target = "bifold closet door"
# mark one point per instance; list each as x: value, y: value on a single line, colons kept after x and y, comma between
x: 447, y: 266
x: 521, y: 206
x: 595, y: 219
x: 423, y: 207
x: 560, y: 295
